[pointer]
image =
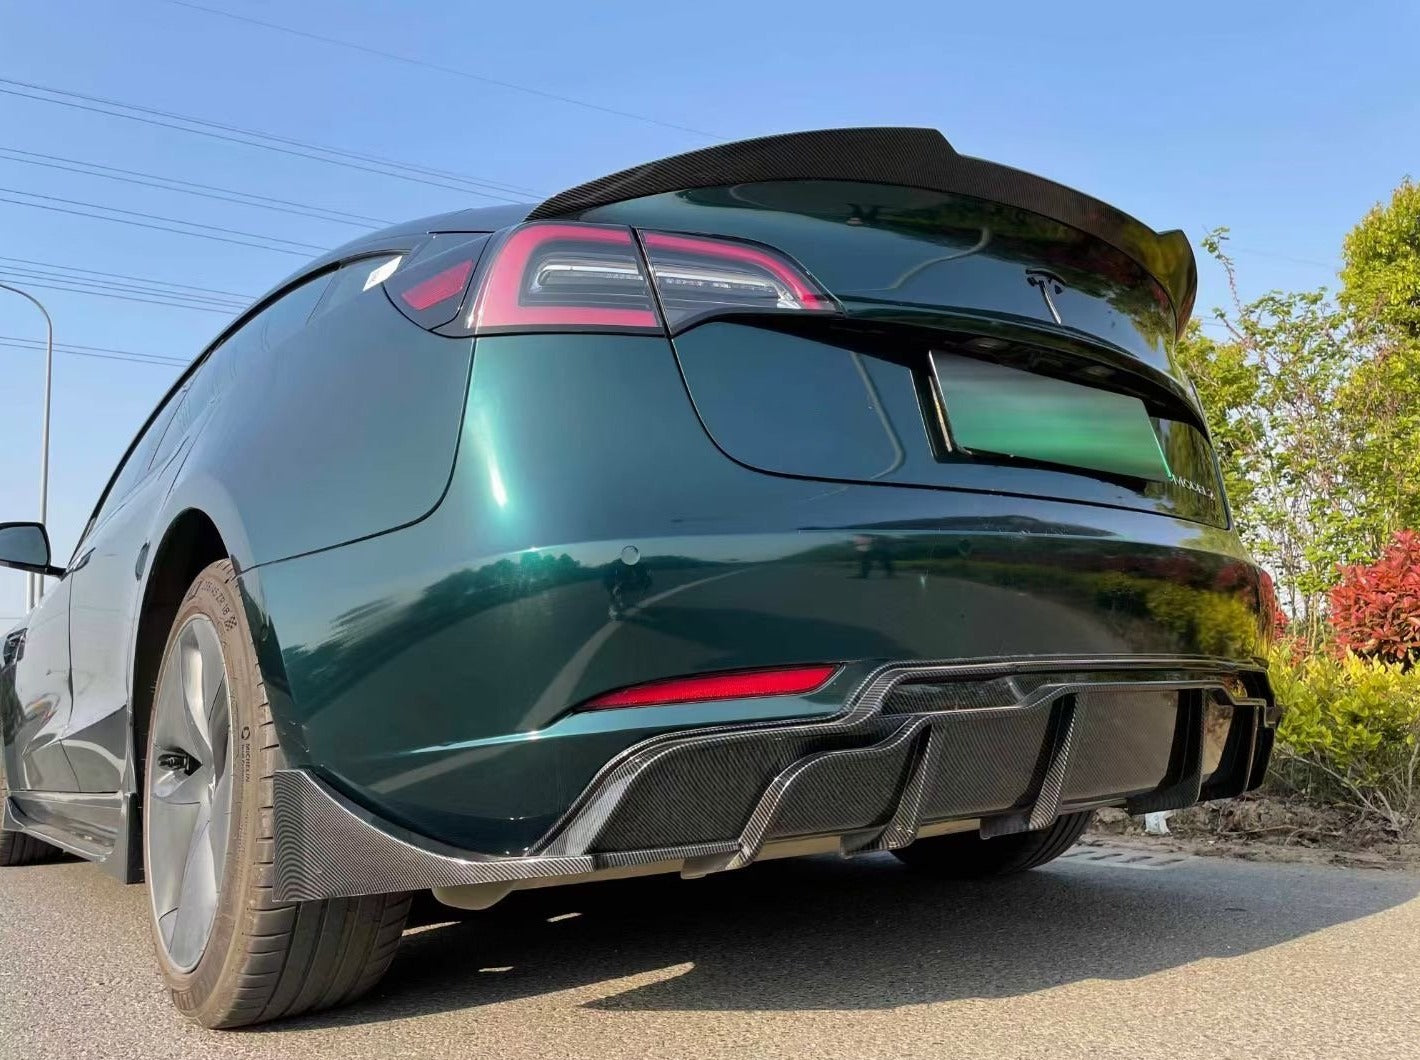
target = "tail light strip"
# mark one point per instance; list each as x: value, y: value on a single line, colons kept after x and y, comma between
x: 561, y: 276
x: 805, y: 295
x: 502, y: 303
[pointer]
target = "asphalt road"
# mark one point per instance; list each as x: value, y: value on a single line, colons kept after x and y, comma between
x: 824, y: 958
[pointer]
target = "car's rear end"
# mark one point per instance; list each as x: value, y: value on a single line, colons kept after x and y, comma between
x: 824, y: 491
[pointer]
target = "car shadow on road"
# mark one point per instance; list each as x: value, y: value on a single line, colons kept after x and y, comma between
x: 824, y: 933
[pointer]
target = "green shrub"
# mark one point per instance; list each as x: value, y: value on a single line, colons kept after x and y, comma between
x: 1350, y: 733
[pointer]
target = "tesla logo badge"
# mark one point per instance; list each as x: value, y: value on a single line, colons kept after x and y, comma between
x: 1049, y: 286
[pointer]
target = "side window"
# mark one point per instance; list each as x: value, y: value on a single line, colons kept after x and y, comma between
x: 279, y: 320
x: 180, y: 421
x: 273, y: 325
x: 136, y: 465
x: 289, y: 313
x: 356, y: 277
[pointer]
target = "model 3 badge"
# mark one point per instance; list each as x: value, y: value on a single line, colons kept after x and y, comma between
x: 1192, y: 487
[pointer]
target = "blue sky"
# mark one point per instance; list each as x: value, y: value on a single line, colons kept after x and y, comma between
x: 1283, y: 121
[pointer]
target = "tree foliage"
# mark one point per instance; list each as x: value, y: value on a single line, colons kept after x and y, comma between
x: 1314, y: 406
x: 1313, y: 403
x: 1274, y: 389
x: 1381, y: 275
x: 1380, y: 408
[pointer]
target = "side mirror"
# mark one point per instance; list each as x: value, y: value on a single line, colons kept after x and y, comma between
x: 25, y: 546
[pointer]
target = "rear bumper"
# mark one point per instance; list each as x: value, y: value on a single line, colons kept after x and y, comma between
x: 432, y: 675
x: 1006, y: 745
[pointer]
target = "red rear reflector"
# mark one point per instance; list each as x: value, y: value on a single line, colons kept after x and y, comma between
x: 438, y: 288
x: 789, y: 681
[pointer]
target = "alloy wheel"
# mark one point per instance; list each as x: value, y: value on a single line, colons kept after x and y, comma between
x: 189, y: 792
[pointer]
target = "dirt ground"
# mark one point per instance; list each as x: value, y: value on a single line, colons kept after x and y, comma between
x: 1265, y: 828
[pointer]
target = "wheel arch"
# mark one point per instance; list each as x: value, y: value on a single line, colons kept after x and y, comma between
x: 197, y: 524
x: 190, y: 543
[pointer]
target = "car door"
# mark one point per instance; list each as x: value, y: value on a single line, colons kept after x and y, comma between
x: 35, y: 716
x: 103, y: 583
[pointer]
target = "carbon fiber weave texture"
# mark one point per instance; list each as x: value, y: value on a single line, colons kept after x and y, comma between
x: 919, y: 158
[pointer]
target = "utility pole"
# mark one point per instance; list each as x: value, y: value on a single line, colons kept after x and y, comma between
x: 34, y: 583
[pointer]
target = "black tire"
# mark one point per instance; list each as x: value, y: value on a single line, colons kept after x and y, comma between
x: 966, y: 856
x: 18, y: 848
x: 265, y: 959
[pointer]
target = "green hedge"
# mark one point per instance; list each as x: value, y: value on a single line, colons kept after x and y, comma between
x: 1350, y: 733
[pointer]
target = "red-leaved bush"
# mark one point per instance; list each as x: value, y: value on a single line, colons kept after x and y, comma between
x: 1375, y: 609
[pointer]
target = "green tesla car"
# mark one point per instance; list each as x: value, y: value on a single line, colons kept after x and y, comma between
x: 827, y: 492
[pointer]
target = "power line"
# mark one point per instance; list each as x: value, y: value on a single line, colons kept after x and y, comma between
x: 154, y: 227
x: 341, y: 152
x: 170, y: 220
x: 98, y: 286
x: 1284, y: 257
x: 259, y: 134
x: 466, y: 185
x: 130, y: 298
x: 120, y: 285
x: 188, y: 187
x: 80, y: 349
x: 238, y: 140
x: 84, y: 283
x: 395, y: 163
x: 126, y: 297
x: 454, y: 70
x: 154, y: 362
x: 123, y: 276
x: 95, y: 349
x: 96, y: 356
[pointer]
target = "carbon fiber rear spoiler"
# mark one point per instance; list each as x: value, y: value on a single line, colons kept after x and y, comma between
x: 917, y: 158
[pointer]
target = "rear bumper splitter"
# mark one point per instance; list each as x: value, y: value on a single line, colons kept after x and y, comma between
x: 1009, y: 743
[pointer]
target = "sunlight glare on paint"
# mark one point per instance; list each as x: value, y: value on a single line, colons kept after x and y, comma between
x: 495, y: 483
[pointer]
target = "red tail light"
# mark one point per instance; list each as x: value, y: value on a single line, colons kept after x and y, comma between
x: 743, y: 684
x: 569, y: 276
x: 697, y: 276
x: 564, y: 276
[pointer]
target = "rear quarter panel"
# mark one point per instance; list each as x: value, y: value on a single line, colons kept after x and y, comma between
x: 342, y: 431
x: 345, y: 430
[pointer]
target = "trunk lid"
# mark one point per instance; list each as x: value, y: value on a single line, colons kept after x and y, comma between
x: 980, y: 347
x: 997, y: 331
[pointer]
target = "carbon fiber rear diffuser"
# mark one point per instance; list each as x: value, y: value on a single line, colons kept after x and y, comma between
x: 1080, y: 734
